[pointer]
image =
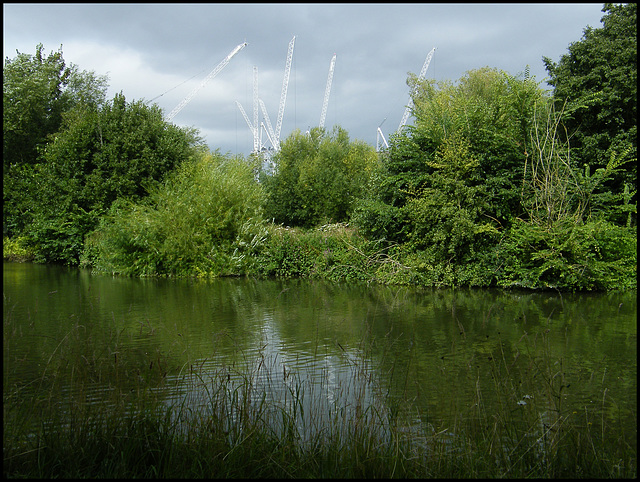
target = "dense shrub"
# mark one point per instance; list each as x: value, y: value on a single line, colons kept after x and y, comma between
x: 596, y: 255
x: 331, y: 252
x: 118, y: 151
x: 204, y: 221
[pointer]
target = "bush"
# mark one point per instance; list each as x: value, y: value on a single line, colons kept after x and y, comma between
x: 16, y: 249
x: 202, y: 222
x: 332, y: 252
x: 597, y: 255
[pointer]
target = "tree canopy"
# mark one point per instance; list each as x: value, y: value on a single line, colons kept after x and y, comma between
x: 318, y: 177
x: 595, y: 84
x: 36, y: 91
x: 120, y: 150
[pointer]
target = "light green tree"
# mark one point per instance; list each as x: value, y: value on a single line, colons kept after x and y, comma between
x: 318, y: 177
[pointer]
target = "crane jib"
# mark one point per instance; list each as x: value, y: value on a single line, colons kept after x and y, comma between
x: 209, y: 77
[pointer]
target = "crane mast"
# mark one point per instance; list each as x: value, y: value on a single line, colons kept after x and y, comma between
x: 256, y: 137
x: 380, y: 135
x: 209, y: 77
x: 266, y: 131
x: 407, y: 111
x: 327, y: 91
x: 285, y: 86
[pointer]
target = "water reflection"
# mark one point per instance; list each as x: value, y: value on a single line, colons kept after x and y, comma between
x: 428, y: 356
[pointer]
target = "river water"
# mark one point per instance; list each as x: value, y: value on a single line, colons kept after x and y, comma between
x: 433, y: 357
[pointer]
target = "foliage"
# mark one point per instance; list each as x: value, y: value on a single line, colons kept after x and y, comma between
x: 597, y: 80
x: 596, y: 255
x: 451, y: 183
x: 446, y: 216
x: 554, y: 190
x: 492, y: 111
x: 376, y: 219
x: 334, y: 252
x: 16, y: 249
x: 118, y: 151
x: 566, y: 242
x: 489, y: 112
x: 317, y: 178
x: 482, y: 155
x: 37, y: 91
x: 203, y: 221
x: 497, y: 183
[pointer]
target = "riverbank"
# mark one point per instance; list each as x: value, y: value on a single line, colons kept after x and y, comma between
x: 339, y: 253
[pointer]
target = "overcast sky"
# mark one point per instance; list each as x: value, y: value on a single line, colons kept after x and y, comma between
x: 165, y: 51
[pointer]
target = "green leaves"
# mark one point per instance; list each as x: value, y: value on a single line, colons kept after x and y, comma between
x: 593, y: 256
x: 446, y: 216
x: 101, y: 154
x: 202, y: 222
x: 318, y: 178
x: 37, y: 92
x: 597, y: 79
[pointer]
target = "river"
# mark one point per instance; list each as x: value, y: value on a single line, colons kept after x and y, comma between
x: 429, y: 356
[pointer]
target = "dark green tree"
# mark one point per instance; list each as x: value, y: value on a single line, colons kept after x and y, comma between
x: 100, y: 154
x: 37, y: 90
x: 596, y: 84
x: 563, y: 242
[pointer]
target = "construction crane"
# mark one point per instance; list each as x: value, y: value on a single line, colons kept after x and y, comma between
x: 327, y: 91
x: 270, y: 132
x: 380, y: 135
x: 256, y: 137
x: 255, y: 128
x: 266, y: 131
x: 251, y: 127
x: 283, y: 94
x: 407, y: 111
x: 213, y: 73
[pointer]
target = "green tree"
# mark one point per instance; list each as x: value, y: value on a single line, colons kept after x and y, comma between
x: 317, y: 177
x: 596, y: 82
x: 446, y: 213
x: 119, y: 150
x: 37, y: 90
x: 490, y: 113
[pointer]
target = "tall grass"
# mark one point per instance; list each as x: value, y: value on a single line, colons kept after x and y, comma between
x: 261, y: 419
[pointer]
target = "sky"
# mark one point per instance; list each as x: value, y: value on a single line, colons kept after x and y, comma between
x: 161, y: 53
